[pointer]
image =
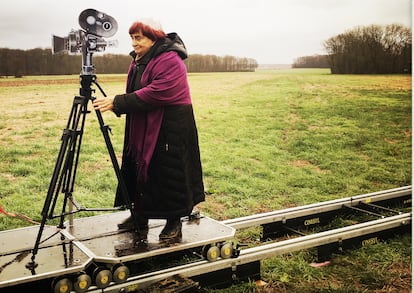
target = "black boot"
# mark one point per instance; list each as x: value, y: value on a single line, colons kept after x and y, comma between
x: 141, y: 236
x: 128, y: 223
x: 172, y: 231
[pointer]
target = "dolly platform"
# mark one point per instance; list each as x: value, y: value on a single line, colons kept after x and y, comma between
x: 94, y: 248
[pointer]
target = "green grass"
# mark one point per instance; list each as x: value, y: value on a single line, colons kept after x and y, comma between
x: 297, y: 138
x: 269, y: 140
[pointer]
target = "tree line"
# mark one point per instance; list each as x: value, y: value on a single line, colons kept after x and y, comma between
x: 314, y: 61
x: 15, y: 62
x: 372, y: 49
x: 212, y: 63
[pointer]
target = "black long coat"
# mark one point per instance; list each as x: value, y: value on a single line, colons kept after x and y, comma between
x: 174, y: 185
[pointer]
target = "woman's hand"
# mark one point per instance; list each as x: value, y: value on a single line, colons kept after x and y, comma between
x: 103, y: 104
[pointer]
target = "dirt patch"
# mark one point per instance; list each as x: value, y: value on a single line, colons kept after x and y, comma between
x: 213, y: 208
x: 304, y: 163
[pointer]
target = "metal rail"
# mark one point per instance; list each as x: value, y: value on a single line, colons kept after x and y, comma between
x: 303, y: 214
x: 317, y: 208
x: 267, y: 250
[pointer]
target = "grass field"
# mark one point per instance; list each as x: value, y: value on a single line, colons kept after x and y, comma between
x: 269, y: 140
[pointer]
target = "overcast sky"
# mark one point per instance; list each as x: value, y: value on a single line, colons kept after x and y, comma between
x: 270, y: 31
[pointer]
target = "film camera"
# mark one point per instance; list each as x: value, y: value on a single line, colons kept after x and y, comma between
x: 96, y: 26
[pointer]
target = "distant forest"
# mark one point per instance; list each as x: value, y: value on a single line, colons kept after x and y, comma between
x: 18, y: 63
x: 371, y: 49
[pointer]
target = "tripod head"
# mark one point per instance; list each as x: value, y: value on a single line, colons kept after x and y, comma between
x: 95, y: 26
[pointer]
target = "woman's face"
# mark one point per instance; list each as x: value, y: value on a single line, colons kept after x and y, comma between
x: 141, y: 43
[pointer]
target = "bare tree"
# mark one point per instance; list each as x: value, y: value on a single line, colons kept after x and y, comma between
x: 371, y: 49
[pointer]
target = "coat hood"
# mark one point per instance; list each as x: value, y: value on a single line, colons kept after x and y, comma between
x: 171, y: 43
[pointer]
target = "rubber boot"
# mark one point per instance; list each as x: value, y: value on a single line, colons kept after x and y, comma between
x: 172, y: 231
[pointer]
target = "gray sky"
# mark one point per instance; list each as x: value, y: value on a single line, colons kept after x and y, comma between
x: 270, y: 31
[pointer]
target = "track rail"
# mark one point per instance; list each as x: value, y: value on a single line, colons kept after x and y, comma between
x: 366, y: 232
x: 385, y: 213
x: 254, y: 254
x: 317, y: 208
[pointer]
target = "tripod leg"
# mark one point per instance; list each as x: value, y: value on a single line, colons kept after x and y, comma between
x: 63, y: 162
x: 121, y: 181
x: 68, y: 175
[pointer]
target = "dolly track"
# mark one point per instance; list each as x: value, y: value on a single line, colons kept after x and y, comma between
x: 379, y: 215
x: 337, y: 236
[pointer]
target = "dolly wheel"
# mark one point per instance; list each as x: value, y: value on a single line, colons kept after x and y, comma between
x: 82, y: 283
x: 103, y: 278
x: 226, y: 250
x: 63, y: 286
x: 121, y: 274
x: 213, y: 253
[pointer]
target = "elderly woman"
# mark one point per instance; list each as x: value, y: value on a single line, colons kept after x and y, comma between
x: 161, y: 159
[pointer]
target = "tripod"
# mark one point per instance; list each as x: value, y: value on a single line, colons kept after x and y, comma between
x: 64, y: 174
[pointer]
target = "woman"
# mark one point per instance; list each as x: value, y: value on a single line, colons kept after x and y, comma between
x: 161, y: 159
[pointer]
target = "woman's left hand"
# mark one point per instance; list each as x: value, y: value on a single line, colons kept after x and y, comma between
x: 103, y: 104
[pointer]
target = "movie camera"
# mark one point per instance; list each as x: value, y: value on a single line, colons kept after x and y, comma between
x: 96, y: 26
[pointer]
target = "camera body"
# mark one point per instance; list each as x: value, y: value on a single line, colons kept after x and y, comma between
x: 96, y: 26
x: 77, y: 40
